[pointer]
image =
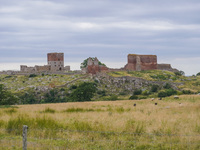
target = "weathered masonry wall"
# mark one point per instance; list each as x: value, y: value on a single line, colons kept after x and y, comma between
x: 141, y: 62
x: 56, y: 61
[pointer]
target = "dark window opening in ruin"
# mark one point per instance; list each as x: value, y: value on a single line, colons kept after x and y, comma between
x: 58, y: 59
x: 55, y: 65
x: 60, y: 68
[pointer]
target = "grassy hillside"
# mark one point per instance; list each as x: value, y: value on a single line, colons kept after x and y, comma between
x: 191, y: 83
x: 171, y: 124
x: 111, y: 86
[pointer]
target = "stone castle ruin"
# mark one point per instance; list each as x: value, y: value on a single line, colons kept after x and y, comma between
x: 93, y: 66
x: 141, y: 62
x: 135, y: 63
x: 146, y: 62
x: 55, y: 63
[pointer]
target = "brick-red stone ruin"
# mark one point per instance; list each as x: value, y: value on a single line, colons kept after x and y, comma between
x: 93, y: 66
x: 141, y: 62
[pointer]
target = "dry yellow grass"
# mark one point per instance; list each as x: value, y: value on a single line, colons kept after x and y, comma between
x: 170, y: 116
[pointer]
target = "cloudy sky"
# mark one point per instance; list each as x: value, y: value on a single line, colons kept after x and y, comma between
x: 107, y: 29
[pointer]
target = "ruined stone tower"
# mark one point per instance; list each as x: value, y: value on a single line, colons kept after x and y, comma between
x: 141, y: 62
x: 56, y: 61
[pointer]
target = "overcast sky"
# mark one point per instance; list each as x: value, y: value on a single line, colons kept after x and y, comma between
x: 107, y: 29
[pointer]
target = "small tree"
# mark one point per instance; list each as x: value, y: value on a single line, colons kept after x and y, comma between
x: 6, y: 97
x: 179, y: 73
x: 84, y: 92
x: 198, y: 74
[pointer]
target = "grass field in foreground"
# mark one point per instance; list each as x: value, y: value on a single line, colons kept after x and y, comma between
x: 171, y: 124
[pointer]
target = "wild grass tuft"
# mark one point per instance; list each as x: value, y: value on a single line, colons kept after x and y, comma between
x: 135, y: 127
x: 80, y: 125
x: 49, y: 110
x: 15, y: 124
x: 71, y: 110
x: 10, y: 111
x: 120, y: 109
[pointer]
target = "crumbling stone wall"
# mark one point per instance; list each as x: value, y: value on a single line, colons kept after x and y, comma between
x: 55, y: 64
x: 141, y: 62
x: 93, y: 66
x: 167, y: 67
x: 44, y: 68
x: 25, y: 68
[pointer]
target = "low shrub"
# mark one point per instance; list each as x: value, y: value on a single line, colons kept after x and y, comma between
x: 137, y: 92
x: 113, y: 97
x: 101, y: 92
x: 167, y: 92
x: 32, y: 75
x: 133, y: 97
x: 73, y: 87
x: 162, y: 94
x: 154, y: 88
x: 187, y: 92
x: 146, y: 93
x: 167, y: 86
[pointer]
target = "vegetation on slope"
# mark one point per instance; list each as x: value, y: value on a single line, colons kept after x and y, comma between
x: 34, y: 89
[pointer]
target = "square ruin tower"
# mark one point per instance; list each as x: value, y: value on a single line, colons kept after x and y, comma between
x: 56, y: 61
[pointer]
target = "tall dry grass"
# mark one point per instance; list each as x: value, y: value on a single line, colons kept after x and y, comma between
x: 172, y: 120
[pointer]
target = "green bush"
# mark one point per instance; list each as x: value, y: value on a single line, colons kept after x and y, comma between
x: 143, y: 97
x: 32, y: 75
x: 84, y: 92
x: 162, y: 94
x: 171, y: 92
x: 6, y: 97
x: 113, y: 97
x: 73, y: 87
x: 8, y: 77
x: 137, y: 92
x: 167, y: 86
x: 102, y: 93
x: 167, y: 92
x: 187, y: 92
x: 133, y: 97
x: 179, y: 73
x: 198, y: 74
x: 154, y: 88
x: 146, y: 93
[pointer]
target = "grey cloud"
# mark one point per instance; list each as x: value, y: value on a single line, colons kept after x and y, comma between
x: 109, y: 29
